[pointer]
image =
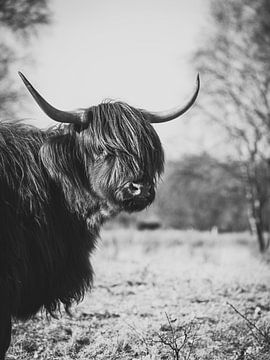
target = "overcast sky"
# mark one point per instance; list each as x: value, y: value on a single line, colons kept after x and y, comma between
x: 138, y: 51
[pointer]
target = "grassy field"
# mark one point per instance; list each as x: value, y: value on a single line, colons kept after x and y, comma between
x: 163, y: 294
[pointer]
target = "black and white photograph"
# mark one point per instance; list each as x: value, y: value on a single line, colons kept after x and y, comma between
x: 134, y: 180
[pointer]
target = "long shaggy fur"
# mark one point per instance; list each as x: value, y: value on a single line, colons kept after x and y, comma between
x: 56, y: 189
x: 44, y: 242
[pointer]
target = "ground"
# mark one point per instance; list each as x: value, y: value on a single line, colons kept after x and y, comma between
x: 162, y: 294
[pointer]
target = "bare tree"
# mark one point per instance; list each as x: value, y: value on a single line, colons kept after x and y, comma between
x: 234, y: 64
x: 19, y: 21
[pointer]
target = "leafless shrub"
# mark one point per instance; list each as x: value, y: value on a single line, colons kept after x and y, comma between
x: 180, y: 340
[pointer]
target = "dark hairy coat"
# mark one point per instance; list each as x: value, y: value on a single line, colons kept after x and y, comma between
x: 56, y: 189
x: 49, y: 208
x: 44, y: 240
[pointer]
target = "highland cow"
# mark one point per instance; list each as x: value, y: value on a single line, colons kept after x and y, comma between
x: 57, y: 187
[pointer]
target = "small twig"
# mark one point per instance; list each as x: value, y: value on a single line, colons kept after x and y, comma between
x: 251, y: 324
x: 174, y: 339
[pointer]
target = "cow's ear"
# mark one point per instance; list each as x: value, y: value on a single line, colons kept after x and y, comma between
x: 59, y: 156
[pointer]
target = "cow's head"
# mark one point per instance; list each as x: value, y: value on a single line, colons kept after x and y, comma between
x: 120, y: 150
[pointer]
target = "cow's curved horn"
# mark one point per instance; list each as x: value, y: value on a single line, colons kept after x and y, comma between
x: 70, y: 117
x: 160, y: 117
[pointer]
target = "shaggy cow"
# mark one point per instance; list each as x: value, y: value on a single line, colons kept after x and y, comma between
x: 56, y: 189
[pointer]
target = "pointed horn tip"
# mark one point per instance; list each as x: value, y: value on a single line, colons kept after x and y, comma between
x: 198, y: 80
x: 21, y: 75
x: 25, y: 81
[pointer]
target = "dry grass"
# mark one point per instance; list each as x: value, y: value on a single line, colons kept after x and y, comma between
x: 159, y: 295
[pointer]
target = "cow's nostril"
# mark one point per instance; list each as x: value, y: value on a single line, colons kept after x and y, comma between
x: 135, y: 189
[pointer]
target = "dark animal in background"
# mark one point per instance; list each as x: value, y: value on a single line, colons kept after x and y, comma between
x: 56, y: 189
x: 148, y: 225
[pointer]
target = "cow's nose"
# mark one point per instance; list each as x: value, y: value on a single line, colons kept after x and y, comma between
x: 135, y: 189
